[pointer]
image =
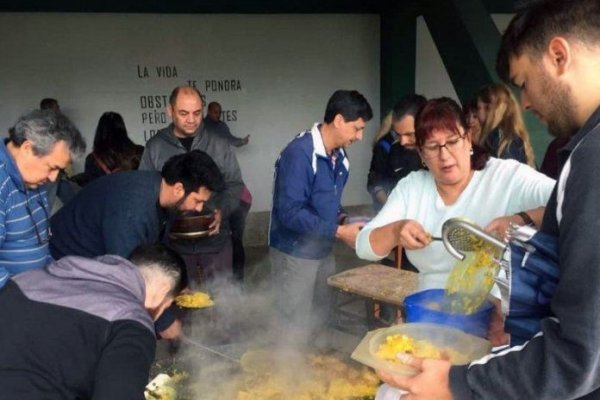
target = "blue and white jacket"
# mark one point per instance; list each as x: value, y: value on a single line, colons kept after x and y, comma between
x: 23, y: 221
x: 307, y: 192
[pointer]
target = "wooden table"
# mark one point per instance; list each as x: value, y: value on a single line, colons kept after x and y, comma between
x: 373, y: 283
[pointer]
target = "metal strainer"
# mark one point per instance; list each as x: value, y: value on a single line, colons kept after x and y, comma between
x: 461, y: 235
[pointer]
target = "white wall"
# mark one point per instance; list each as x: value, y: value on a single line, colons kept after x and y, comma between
x: 286, y: 67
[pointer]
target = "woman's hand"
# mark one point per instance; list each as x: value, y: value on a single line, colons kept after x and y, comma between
x: 405, y: 233
x: 499, y: 226
x: 411, y: 234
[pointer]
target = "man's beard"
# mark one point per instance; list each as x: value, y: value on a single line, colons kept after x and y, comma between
x: 175, y: 209
x: 559, y: 108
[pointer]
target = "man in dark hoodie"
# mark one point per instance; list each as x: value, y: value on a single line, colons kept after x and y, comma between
x: 212, y: 254
x: 83, y: 328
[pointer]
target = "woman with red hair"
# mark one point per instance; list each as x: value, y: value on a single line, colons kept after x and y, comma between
x: 459, y: 179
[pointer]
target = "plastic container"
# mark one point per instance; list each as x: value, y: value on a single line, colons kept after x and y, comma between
x: 468, y: 346
x: 428, y: 306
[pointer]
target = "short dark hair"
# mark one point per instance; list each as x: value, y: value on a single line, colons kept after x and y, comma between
x: 350, y: 104
x: 175, y: 93
x: 445, y: 114
x: 407, y: 105
x: 213, y: 104
x: 160, y: 257
x: 193, y: 170
x: 540, y: 20
x: 48, y: 103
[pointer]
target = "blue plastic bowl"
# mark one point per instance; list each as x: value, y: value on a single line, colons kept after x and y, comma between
x: 418, y: 308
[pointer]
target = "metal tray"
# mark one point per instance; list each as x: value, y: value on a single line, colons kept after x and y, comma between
x: 188, y: 235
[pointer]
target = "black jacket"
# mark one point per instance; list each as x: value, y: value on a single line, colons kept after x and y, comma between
x: 561, y: 361
x: 390, y: 162
x: 70, y: 332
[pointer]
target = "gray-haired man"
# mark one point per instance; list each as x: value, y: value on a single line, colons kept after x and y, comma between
x: 75, y: 333
x: 39, y: 146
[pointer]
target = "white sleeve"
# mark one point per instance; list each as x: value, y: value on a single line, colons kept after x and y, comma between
x: 393, y: 210
x: 387, y: 392
x: 532, y: 189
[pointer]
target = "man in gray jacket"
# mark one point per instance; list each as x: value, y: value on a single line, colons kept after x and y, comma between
x: 209, y: 257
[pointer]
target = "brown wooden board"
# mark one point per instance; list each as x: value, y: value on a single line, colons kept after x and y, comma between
x: 378, y: 282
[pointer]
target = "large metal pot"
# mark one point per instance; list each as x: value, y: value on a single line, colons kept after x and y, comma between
x: 273, y: 375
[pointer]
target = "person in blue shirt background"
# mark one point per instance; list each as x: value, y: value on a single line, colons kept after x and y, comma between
x: 39, y: 146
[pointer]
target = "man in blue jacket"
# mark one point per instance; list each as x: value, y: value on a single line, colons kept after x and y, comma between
x: 307, y: 217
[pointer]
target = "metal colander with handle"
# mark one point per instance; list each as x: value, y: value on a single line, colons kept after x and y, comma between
x: 461, y: 235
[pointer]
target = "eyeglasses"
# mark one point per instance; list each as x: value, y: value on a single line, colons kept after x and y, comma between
x: 48, y: 233
x: 434, y: 150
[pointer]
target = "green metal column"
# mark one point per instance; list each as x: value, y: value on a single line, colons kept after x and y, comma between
x: 398, y: 52
x: 468, y: 40
x: 453, y: 33
x: 482, y: 30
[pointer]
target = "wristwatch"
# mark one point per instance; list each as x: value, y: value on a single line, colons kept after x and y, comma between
x: 526, y: 218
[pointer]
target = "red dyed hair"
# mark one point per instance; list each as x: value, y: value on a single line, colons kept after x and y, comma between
x: 444, y: 114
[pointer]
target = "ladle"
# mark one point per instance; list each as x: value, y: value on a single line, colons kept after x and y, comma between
x: 195, y: 343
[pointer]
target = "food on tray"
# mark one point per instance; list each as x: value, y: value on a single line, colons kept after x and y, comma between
x: 322, y: 377
x: 395, y: 344
x: 291, y: 375
x: 194, y: 300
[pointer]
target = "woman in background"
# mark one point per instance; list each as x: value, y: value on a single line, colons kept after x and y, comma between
x: 503, y: 132
x: 381, y: 149
x: 113, y: 150
x: 470, y: 113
